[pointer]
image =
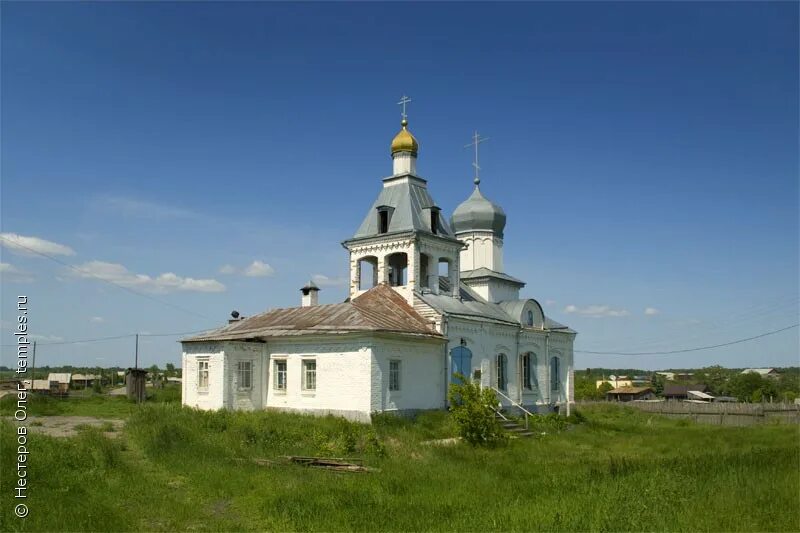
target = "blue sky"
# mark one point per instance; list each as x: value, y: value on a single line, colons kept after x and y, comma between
x: 646, y: 155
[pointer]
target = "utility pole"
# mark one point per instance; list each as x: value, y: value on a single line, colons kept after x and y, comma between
x: 136, y: 363
x: 33, y: 371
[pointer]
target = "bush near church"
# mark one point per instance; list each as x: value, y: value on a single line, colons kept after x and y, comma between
x: 473, y: 409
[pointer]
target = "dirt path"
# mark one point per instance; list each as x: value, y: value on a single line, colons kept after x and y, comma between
x: 67, y: 426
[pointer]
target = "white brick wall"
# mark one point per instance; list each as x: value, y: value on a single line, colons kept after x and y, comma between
x: 422, y: 375
x: 343, y: 377
x: 487, y: 340
x: 214, y: 396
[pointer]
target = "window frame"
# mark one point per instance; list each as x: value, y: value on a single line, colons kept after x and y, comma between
x: 501, y: 362
x: 555, y: 370
x: 305, y: 378
x: 203, y: 371
x: 241, y: 372
x: 527, y: 382
x: 277, y: 372
x: 395, y: 382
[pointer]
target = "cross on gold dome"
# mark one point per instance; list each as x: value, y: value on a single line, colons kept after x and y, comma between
x: 476, y: 140
x: 403, y: 101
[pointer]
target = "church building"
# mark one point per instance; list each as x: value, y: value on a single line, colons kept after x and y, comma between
x: 428, y: 299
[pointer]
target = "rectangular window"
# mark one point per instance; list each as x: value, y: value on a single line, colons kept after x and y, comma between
x: 280, y: 375
x: 202, y: 374
x: 555, y: 370
x: 383, y: 221
x: 244, y: 371
x: 394, y: 375
x: 434, y: 221
x: 526, y: 371
x: 309, y: 374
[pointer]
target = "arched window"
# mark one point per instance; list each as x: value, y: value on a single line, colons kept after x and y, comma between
x: 530, y: 317
x: 397, y: 266
x: 554, y: 374
x: 502, y: 371
x: 460, y: 363
x: 367, y: 272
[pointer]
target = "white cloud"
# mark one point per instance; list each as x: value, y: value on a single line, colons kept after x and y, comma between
x: 324, y: 281
x: 549, y: 302
x: 595, y: 311
x: 97, y: 320
x: 258, y: 269
x: 651, y: 311
x: 227, y: 269
x: 9, y: 272
x: 33, y: 246
x: 133, y: 207
x: 167, y: 282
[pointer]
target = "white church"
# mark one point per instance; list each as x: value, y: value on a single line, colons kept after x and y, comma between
x: 427, y: 299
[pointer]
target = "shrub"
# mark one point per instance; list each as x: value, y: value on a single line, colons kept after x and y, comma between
x: 473, y: 409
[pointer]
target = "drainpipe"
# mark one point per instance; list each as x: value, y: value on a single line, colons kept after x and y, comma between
x: 547, y: 386
x: 520, y: 370
x: 446, y: 377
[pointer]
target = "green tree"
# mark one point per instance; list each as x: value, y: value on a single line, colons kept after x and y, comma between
x: 473, y: 409
x: 170, y: 369
x: 603, y: 389
x: 751, y: 387
x: 716, y: 377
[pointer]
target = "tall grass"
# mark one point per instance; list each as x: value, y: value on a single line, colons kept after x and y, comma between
x: 621, y: 470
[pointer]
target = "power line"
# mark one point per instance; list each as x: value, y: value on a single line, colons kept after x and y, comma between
x: 697, y: 349
x: 91, y: 274
x: 99, y: 339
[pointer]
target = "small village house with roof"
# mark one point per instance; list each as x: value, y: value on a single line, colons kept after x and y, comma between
x: 427, y: 299
x: 85, y: 380
x: 770, y: 373
x: 680, y: 391
x: 629, y: 394
x: 64, y: 379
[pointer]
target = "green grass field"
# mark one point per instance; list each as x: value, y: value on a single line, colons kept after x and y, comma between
x: 179, y: 469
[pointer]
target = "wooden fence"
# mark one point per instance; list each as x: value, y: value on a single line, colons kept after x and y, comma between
x: 728, y: 414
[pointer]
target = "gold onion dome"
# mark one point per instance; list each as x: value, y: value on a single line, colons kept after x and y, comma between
x: 404, y: 141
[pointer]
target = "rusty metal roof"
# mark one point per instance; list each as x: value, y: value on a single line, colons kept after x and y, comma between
x: 380, y: 309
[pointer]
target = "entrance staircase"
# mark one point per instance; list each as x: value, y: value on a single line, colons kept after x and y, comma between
x: 511, y: 426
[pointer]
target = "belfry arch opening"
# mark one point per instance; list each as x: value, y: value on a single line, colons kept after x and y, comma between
x: 397, y: 269
x: 367, y: 272
x: 424, y: 267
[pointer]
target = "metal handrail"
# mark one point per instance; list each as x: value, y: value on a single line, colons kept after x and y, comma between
x: 515, y: 404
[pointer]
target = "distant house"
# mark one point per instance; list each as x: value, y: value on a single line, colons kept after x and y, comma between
x: 763, y: 372
x: 680, y: 391
x: 616, y: 383
x: 87, y: 380
x: 629, y: 394
x: 63, y: 379
x: 44, y: 386
x: 697, y: 396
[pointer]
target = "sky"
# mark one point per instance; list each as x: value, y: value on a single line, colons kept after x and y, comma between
x: 176, y: 161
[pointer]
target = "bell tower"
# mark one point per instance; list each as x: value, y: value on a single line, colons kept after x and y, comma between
x: 404, y: 241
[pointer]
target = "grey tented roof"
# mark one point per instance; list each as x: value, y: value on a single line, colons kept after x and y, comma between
x: 408, y: 197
